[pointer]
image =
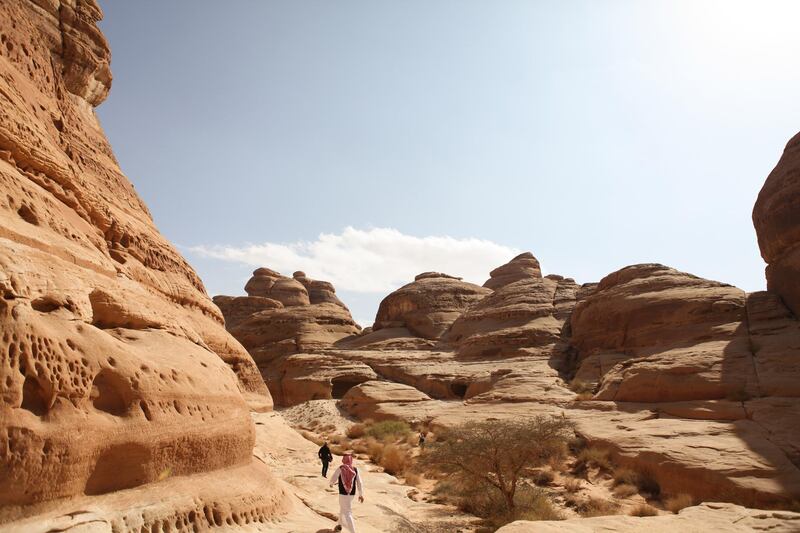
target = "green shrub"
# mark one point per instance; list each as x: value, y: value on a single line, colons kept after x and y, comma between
x: 388, y: 429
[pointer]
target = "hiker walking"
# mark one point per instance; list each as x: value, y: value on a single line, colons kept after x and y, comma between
x: 421, y: 439
x: 349, y: 480
x: 326, y: 457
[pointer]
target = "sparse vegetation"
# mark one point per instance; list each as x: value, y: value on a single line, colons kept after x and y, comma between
x: 677, y: 502
x: 596, y: 507
x: 643, y: 509
x: 394, y: 459
x: 542, y: 477
x: 594, y: 456
x: 356, y: 431
x: 388, y: 429
x: 625, y: 490
x: 643, y: 480
x: 412, y: 478
x: 573, y: 484
x: 486, y: 461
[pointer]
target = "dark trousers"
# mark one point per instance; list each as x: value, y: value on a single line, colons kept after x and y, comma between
x: 325, y: 468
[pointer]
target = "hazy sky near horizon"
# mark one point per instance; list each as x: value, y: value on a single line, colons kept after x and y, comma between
x: 367, y: 141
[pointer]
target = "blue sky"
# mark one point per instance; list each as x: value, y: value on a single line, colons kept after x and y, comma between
x: 367, y: 141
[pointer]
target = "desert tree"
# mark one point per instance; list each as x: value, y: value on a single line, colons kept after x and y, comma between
x: 497, y: 453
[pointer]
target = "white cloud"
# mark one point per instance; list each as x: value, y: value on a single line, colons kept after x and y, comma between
x: 370, y: 261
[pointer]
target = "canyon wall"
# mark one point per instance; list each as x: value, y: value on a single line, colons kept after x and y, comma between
x: 115, y: 367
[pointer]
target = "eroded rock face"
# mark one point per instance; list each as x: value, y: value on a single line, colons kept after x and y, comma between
x: 285, y: 316
x: 429, y: 305
x: 524, y: 266
x: 655, y: 334
x: 112, y: 357
x: 526, y: 311
x: 776, y: 217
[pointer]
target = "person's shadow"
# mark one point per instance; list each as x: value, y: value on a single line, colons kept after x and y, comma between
x: 325, y: 530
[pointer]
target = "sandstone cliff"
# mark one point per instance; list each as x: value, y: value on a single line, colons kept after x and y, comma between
x: 776, y: 217
x: 115, y: 367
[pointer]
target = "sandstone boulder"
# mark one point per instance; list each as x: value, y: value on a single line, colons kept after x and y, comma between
x: 524, y: 266
x: 776, y: 217
x: 364, y: 400
x: 302, y: 377
x: 267, y: 283
x: 319, y: 292
x: 427, y: 306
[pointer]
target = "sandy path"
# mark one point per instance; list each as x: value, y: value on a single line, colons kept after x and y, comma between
x: 387, y: 508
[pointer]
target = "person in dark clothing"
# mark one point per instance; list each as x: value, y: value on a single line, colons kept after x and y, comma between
x: 421, y: 439
x: 326, y: 457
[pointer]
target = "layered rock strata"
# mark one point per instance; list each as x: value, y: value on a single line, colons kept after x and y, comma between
x: 429, y: 305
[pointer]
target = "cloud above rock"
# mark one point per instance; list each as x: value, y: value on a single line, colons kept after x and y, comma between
x: 376, y: 260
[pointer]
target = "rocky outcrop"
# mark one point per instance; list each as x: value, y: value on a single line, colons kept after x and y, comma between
x: 364, y: 400
x: 776, y: 217
x: 721, y: 517
x: 429, y: 305
x: 524, y: 266
x: 306, y: 376
x: 278, y: 317
x: 525, y: 311
x: 650, y: 333
x: 267, y: 283
x: 112, y: 356
x: 284, y: 316
x: 319, y: 292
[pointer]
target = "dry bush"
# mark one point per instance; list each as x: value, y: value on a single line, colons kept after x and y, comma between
x: 642, y: 479
x: 338, y: 449
x: 412, y: 478
x: 531, y: 503
x: 542, y: 477
x: 626, y: 476
x: 328, y: 427
x: 388, y: 429
x: 573, y: 484
x: 677, y: 502
x: 394, y: 459
x: 337, y: 439
x: 597, y: 507
x: 625, y: 490
x: 594, y: 456
x: 412, y: 439
x: 356, y: 431
x: 494, y: 454
x: 375, y: 450
x: 643, y: 509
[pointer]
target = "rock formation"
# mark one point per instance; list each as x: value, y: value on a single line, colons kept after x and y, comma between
x: 427, y: 306
x: 776, y: 217
x: 525, y: 311
x: 284, y: 316
x: 113, y: 358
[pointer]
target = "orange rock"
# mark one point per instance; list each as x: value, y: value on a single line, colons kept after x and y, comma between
x: 776, y: 217
x: 429, y: 305
x: 112, y: 357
